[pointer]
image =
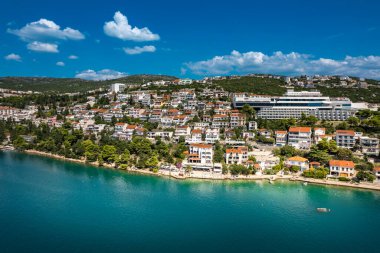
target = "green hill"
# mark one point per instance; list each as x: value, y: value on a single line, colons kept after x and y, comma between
x: 66, y: 85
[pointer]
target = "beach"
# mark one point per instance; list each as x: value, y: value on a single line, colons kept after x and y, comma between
x: 217, y: 176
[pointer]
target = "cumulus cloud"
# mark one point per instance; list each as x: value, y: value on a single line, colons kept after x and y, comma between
x: 13, y: 57
x: 140, y: 50
x: 73, y: 57
x: 105, y: 74
x: 43, y: 47
x: 121, y: 29
x: 44, y: 29
x: 60, y: 63
x: 291, y: 64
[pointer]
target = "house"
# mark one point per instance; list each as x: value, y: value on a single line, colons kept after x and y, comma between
x: 280, y: 137
x: 319, y: 134
x: 212, y: 135
x: 301, y: 162
x: 342, y: 168
x: 314, y: 165
x: 248, y: 135
x: 376, y: 170
x: 120, y: 127
x: 264, y: 132
x: 299, y: 137
x: 182, y: 131
x: 200, y: 157
x: 237, y: 120
x: 252, y: 125
x: 345, y: 138
x: 237, y: 155
x: 160, y: 134
x: 370, y: 146
x: 196, y: 136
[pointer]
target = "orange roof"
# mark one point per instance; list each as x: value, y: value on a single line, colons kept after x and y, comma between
x: 237, y: 150
x: 342, y: 163
x: 297, y: 159
x: 131, y: 126
x: 300, y: 129
x: 196, y: 131
x: 376, y: 168
x: 199, y: 145
x: 320, y: 128
x: 345, y: 132
x: 281, y: 132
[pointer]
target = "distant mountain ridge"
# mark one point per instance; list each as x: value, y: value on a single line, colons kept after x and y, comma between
x: 49, y: 84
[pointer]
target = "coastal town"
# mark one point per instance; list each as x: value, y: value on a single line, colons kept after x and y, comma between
x: 203, y: 132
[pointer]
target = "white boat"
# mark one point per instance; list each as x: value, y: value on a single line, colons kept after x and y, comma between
x: 305, y: 183
x: 323, y: 210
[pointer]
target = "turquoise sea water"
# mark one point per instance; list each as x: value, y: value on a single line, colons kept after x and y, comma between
x: 54, y: 206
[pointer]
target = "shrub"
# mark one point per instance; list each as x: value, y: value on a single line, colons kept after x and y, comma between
x: 344, y: 179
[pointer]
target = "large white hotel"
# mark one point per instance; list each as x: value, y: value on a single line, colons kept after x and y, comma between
x: 295, y: 103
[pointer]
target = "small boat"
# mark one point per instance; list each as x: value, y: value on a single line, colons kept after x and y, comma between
x: 323, y: 210
x: 305, y: 183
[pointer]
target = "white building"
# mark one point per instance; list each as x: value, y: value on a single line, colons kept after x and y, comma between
x: 345, y: 138
x: 299, y: 137
x: 295, y: 103
x: 370, y: 146
x: 117, y: 87
x: 301, y: 162
x: 237, y: 155
x: 341, y: 168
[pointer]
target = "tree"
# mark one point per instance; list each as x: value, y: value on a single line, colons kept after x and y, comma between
x: 353, y: 121
x: 294, y: 168
x: 109, y: 154
x: 287, y: 151
x: 365, y: 176
x: 152, y: 162
x: 249, y: 112
x: 344, y: 154
x: 20, y: 144
x: 125, y: 157
x: 319, y: 155
x: 91, y: 150
x: 188, y: 169
x: 218, y: 154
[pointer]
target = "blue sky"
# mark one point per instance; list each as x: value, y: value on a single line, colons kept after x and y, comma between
x: 194, y: 38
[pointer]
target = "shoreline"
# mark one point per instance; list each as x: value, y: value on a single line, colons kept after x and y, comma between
x: 214, y: 177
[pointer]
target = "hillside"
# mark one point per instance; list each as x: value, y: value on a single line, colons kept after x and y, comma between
x: 257, y: 85
x: 276, y: 87
x: 64, y: 85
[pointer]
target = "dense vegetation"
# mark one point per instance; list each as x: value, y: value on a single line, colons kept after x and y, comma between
x: 70, y: 143
x: 257, y: 85
x: 370, y: 95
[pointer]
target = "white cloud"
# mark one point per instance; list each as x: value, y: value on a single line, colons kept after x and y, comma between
x: 291, y: 64
x: 121, y: 29
x: 140, y: 50
x: 105, y: 74
x: 44, y: 29
x: 13, y: 57
x: 43, y: 47
x: 73, y: 57
x: 60, y: 63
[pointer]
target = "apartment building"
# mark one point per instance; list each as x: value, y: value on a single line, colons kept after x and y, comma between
x: 237, y: 155
x: 299, y: 137
x: 345, y: 138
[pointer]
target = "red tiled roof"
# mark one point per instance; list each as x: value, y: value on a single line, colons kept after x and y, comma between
x: 342, y: 163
